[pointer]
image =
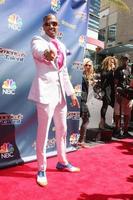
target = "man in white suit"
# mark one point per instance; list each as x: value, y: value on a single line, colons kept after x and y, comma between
x: 48, y: 91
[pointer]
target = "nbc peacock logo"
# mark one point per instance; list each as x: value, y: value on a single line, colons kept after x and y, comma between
x: 82, y: 41
x: 74, y: 138
x: 9, y: 87
x: 6, y: 150
x: 60, y: 35
x: 78, y: 89
x: 15, y: 22
x: 55, y: 5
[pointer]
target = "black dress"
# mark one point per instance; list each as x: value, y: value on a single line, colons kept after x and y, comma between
x: 84, y: 111
x: 108, y: 87
x: 84, y: 95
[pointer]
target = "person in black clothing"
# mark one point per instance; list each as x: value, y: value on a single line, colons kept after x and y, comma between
x: 109, y: 65
x: 87, y: 79
x: 122, y: 103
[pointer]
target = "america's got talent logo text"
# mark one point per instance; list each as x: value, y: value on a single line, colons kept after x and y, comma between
x: 12, y: 55
x: 73, y: 115
x: 10, y: 119
x: 77, y: 65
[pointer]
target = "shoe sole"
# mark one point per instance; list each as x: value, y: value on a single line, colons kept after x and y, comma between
x: 42, y: 184
x: 67, y: 170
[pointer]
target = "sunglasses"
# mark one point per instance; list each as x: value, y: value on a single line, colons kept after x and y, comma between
x: 54, y: 24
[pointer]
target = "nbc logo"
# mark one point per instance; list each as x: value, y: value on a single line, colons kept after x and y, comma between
x: 9, y: 87
x: 77, y: 89
x: 15, y: 22
x: 60, y: 35
x: 51, y: 143
x: 6, y: 150
x: 82, y: 40
x: 55, y: 5
x: 74, y: 138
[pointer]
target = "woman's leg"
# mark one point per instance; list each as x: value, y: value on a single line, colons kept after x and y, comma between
x: 83, y: 127
x: 103, y: 114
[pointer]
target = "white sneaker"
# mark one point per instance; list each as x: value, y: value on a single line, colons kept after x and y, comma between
x: 41, y: 178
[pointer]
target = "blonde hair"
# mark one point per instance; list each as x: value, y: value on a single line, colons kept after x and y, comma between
x: 89, y: 74
x: 106, y: 64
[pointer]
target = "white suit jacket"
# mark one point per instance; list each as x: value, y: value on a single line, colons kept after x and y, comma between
x: 48, y: 77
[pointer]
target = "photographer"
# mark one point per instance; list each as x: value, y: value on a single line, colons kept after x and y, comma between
x: 122, y: 100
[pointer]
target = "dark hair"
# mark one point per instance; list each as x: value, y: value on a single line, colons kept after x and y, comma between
x: 46, y: 16
x: 125, y: 56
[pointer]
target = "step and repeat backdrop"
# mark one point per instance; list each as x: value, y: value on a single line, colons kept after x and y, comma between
x: 19, y: 22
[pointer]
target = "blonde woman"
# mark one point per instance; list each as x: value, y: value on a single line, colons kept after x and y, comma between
x: 109, y: 65
x: 87, y: 79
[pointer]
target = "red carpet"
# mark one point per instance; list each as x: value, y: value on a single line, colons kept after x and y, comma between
x: 106, y: 174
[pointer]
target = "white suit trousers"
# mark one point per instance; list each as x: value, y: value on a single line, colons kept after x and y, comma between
x: 58, y: 111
